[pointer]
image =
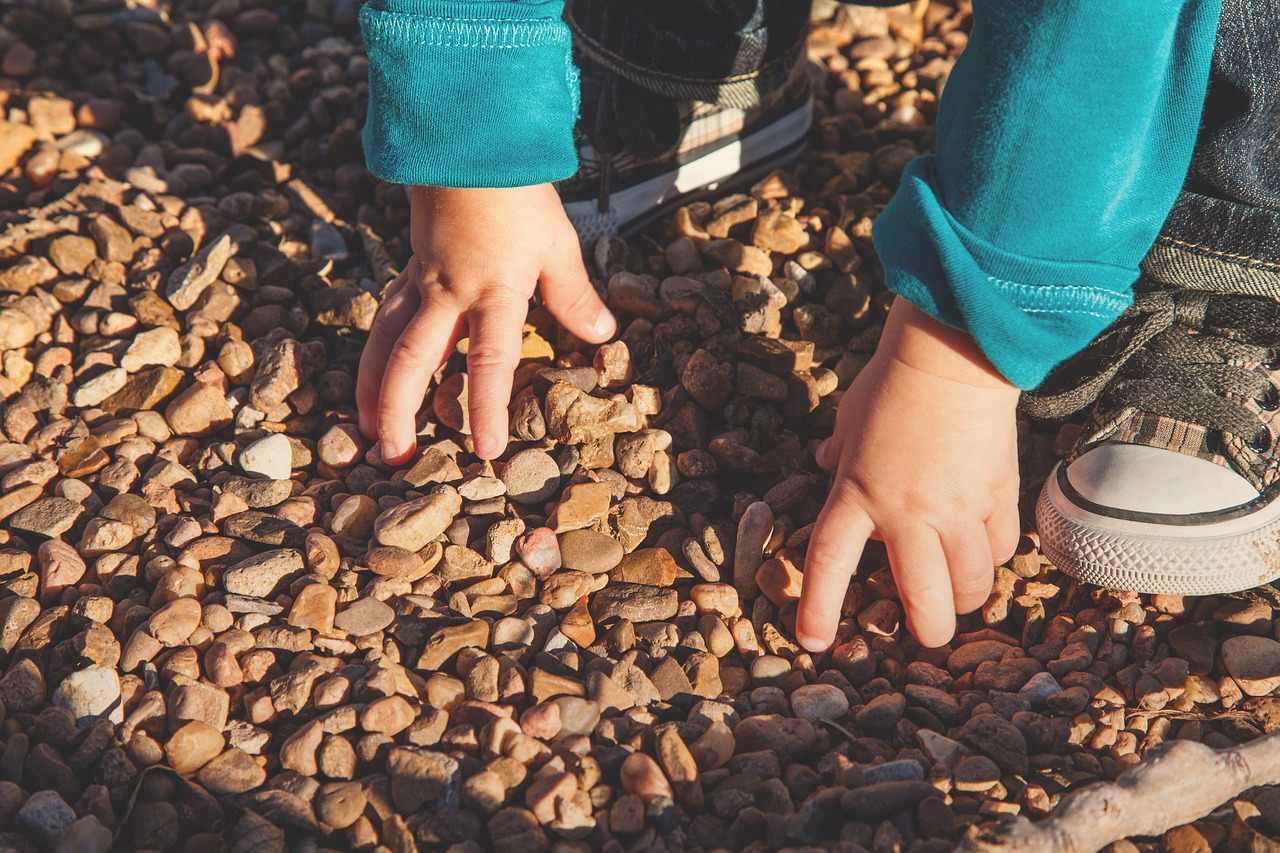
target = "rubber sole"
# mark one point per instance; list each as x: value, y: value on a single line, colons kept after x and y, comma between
x: 1166, y: 559
x: 750, y: 158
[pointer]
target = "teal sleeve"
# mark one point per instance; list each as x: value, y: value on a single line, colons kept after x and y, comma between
x: 1064, y: 136
x: 469, y: 93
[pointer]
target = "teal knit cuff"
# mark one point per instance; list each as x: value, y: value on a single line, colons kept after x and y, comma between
x: 469, y: 94
x: 1026, y: 314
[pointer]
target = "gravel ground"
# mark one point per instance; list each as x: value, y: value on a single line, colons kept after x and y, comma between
x: 226, y: 624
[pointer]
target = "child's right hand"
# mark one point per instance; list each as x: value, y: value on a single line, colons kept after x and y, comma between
x: 477, y: 255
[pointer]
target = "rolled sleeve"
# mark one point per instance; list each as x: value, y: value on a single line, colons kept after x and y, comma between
x: 469, y: 94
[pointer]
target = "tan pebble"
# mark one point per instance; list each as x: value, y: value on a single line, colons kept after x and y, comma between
x: 193, y: 746
x: 714, y: 747
x: 580, y: 505
x: 779, y: 580
x: 578, y: 625
x: 718, y: 598
x: 174, y: 623
x: 641, y: 775
x: 314, y: 608
x: 389, y: 715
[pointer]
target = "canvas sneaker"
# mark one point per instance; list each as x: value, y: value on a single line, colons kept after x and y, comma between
x: 653, y: 164
x: 1174, y: 486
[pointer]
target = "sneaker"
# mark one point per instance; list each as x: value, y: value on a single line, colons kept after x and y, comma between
x: 714, y: 146
x: 1174, y: 486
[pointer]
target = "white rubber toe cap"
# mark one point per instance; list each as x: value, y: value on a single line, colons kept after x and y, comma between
x: 1136, y: 478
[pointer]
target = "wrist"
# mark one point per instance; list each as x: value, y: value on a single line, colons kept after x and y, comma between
x: 928, y: 345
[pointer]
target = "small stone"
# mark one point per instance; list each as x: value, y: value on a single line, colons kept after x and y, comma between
x: 641, y: 775
x: 814, y: 702
x: 413, y: 524
x: 539, y: 550
x: 315, y: 608
x: 389, y: 715
x: 531, y: 477
x: 341, y: 446
x: 193, y: 278
x: 173, y: 623
x: 198, y: 411
x: 193, y: 746
x: 364, y: 616
x: 232, y: 772
x: 270, y: 457
x: 261, y: 575
x: 652, y: 566
x: 589, y: 551
x: 635, y: 602
x: 996, y: 737
x: 72, y: 253
x: 159, y: 347
x: 1254, y: 663
x: 45, y: 818
x: 580, y: 505
x: 91, y: 693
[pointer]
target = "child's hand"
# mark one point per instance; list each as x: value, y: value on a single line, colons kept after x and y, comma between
x: 477, y: 254
x: 925, y: 453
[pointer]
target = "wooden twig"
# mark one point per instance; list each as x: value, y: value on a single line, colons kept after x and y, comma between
x: 1174, y: 784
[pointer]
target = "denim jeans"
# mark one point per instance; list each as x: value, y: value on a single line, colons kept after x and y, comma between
x: 1224, y: 231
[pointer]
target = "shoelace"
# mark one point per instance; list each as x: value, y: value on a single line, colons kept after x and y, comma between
x: 1193, y: 356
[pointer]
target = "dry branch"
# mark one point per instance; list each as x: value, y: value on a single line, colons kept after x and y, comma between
x: 1174, y: 784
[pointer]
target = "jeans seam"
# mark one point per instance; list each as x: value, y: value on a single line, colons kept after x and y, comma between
x: 595, y: 46
x: 1245, y: 259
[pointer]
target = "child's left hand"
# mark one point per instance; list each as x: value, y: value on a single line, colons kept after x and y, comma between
x: 925, y: 455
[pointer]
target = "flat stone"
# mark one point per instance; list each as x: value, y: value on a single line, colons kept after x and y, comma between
x: 260, y: 576
x: 652, y: 566
x: 364, y: 616
x: 636, y: 602
x: 413, y: 524
x: 589, y: 551
x: 1254, y: 663
x: 531, y: 477
x: 270, y: 457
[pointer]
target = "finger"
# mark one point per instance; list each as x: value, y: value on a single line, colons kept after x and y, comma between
x: 971, y: 567
x: 1004, y: 530
x: 838, y: 538
x: 825, y: 455
x: 569, y: 296
x: 417, y: 354
x: 920, y: 571
x: 396, y: 311
x: 494, y: 327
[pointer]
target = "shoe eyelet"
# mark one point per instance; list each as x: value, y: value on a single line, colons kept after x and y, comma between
x: 1262, y: 442
x: 1273, y: 361
x: 1270, y: 400
x: 1215, y: 443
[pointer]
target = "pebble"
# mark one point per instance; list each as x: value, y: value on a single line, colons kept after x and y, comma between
x: 45, y: 818
x: 589, y: 551
x: 364, y: 616
x: 90, y: 693
x: 1254, y: 663
x: 415, y: 523
x: 814, y: 702
x: 531, y: 477
x: 270, y: 457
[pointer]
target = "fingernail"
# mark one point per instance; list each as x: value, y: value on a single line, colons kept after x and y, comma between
x: 485, y: 446
x: 390, y: 451
x: 606, y: 324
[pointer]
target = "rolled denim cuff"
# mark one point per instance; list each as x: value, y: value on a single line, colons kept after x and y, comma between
x: 466, y: 94
x: 1026, y: 314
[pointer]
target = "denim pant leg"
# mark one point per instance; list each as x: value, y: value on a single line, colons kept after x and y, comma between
x: 1224, y: 231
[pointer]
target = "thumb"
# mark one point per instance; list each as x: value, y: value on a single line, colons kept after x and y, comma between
x: 569, y: 296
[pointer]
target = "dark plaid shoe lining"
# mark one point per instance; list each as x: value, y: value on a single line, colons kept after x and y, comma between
x: 1188, y: 371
